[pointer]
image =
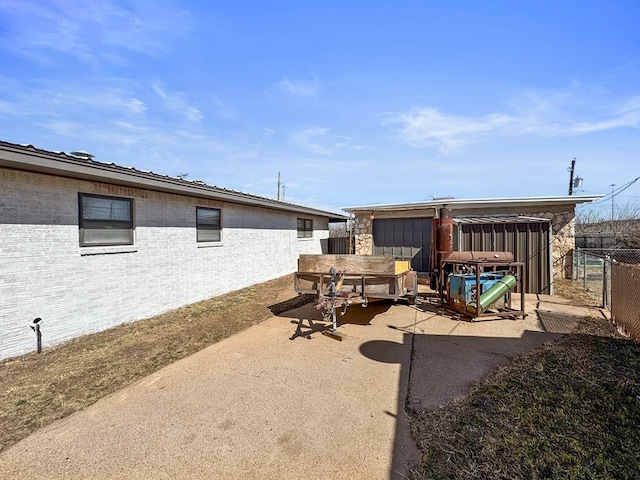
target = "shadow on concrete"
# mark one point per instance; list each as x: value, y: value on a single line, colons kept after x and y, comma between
x: 441, y: 356
x: 299, y: 300
x: 446, y: 367
x: 438, y: 368
x: 405, y: 453
x: 310, y: 321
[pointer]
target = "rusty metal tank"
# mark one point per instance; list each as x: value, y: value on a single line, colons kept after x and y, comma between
x: 442, y: 237
x: 481, y: 256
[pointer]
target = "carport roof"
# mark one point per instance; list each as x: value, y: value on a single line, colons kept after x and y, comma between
x: 453, y: 204
x: 499, y: 219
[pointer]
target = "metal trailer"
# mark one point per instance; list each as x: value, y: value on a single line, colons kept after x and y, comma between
x: 344, y: 280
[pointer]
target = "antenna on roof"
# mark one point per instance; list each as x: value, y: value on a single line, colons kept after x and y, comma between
x: 182, y: 176
x: 82, y: 154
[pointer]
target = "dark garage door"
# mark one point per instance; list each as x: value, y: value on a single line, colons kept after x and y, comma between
x: 404, y: 238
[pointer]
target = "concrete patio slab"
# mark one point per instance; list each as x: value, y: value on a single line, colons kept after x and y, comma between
x: 282, y: 401
x: 257, y: 405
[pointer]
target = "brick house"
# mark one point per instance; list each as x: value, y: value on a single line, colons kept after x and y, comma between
x: 87, y: 245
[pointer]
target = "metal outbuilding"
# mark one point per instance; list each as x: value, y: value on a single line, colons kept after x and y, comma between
x: 539, y: 231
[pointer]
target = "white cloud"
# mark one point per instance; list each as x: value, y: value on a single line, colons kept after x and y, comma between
x: 421, y: 127
x: 222, y: 109
x: 299, y: 88
x: 308, y: 137
x: 91, y: 32
x: 318, y: 140
x: 174, y: 101
x: 575, y: 111
x: 54, y: 98
x: 627, y: 115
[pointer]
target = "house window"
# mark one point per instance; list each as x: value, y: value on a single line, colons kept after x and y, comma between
x: 305, y: 228
x: 105, y: 220
x: 208, y: 224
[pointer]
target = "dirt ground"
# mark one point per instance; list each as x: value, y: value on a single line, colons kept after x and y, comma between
x: 37, y: 389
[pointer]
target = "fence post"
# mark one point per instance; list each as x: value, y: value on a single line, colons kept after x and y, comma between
x: 605, y: 282
x: 584, y: 271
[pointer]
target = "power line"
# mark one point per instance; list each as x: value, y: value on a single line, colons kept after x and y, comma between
x: 616, y: 191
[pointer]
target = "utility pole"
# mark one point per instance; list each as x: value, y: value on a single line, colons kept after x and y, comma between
x: 573, y: 166
x: 612, y: 185
x: 278, y: 186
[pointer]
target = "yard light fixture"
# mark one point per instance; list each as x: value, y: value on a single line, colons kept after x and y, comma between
x: 372, y: 216
x: 35, y: 326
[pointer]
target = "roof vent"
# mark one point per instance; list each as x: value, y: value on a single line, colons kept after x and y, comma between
x: 82, y: 154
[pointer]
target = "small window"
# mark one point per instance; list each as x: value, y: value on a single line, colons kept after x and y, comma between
x: 105, y: 220
x: 305, y: 228
x: 208, y: 224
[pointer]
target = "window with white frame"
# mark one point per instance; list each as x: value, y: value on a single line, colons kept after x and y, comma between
x: 208, y: 224
x: 305, y: 228
x: 105, y: 220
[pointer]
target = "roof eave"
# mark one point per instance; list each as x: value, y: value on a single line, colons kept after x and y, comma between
x: 454, y: 204
x: 41, y: 161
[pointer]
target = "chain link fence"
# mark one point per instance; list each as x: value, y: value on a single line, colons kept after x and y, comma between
x: 612, y: 278
x: 590, y: 270
x: 625, y: 304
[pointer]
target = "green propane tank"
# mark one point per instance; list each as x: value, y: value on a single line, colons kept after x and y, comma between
x: 498, y: 289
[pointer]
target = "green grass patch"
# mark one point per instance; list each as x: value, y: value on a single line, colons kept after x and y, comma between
x: 568, y: 410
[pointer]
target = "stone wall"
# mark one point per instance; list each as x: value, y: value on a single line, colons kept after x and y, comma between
x: 563, y: 225
x: 363, y: 235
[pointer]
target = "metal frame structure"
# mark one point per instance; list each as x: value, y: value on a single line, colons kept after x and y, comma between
x: 479, y: 267
x: 339, y: 290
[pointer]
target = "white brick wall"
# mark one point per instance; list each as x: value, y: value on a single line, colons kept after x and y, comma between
x: 77, y: 290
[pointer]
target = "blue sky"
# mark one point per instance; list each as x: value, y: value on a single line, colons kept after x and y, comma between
x: 354, y: 102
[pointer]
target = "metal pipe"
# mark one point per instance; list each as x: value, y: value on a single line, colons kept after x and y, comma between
x: 498, y: 289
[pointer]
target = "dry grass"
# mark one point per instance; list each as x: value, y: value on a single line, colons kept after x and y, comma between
x: 36, y: 389
x: 573, y: 291
x: 568, y: 410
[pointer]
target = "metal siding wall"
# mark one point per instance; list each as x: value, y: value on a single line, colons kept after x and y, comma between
x: 499, y: 239
x: 527, y: 241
